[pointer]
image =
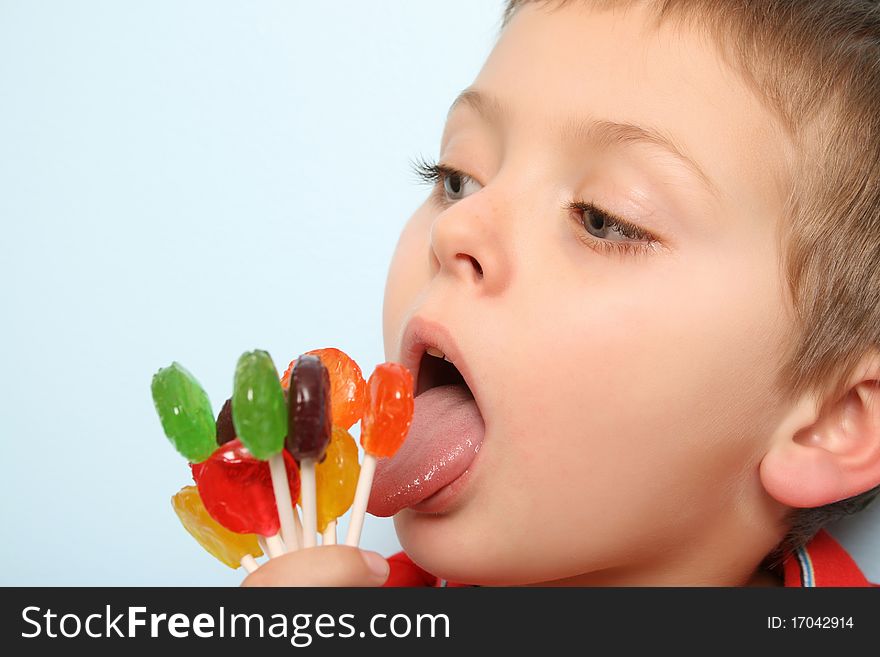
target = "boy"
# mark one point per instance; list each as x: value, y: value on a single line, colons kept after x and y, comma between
x: 642, y: 303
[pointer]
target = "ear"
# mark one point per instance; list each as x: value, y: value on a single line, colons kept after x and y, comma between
x: 819, y: 457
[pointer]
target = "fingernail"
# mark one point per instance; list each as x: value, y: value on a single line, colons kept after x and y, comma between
x: 376, y: 563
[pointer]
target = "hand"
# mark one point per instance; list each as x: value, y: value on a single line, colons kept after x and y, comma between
x: 325, y: 565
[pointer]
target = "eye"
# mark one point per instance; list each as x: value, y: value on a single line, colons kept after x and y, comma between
x: 450, y: 184
x: 600, y: 228
x: 458, y: 185
x: 601, y: 225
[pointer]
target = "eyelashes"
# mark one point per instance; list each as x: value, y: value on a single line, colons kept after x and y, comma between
x: 428, y: 173
x: 638, y: 240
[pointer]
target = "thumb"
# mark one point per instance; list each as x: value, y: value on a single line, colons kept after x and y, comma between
x: 325, y: 565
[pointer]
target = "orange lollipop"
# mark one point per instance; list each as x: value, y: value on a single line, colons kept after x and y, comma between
x: 384, y: 426
x: 346, y: 385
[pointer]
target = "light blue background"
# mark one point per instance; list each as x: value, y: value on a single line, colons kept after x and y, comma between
x: 190, y: 180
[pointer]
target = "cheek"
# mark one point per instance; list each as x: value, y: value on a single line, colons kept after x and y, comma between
x: 642, y: 392
x: 408, y: 275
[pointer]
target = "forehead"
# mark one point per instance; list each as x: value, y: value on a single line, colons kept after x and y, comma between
x: 571, y: 65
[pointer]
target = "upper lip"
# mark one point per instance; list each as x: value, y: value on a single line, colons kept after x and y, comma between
x: 421, y: 333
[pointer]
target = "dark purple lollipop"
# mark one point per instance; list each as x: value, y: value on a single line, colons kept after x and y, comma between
x: 310, y: 418
x: 225, y: 428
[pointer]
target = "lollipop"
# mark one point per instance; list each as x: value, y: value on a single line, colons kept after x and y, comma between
x: 259, y: 415
x: 386, y: 421
x: 225, y: 427
x: 310, y: 427
x: 185, y: 412
x: 237, y: 491
x: 346, y: 385
x: 232, y: 549
x: 336, y: 479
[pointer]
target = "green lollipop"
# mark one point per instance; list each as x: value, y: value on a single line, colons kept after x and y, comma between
x: 185, y: 412
x: 259, y: 411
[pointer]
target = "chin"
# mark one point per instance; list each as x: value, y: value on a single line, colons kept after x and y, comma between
x: 453, y: 549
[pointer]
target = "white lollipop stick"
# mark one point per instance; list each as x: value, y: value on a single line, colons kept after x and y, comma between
x: 261, y: 541
x: 249, y: 563
x: 299, y: 526
x: 361, y: 497
x: 309, y: 501
x: 329, y: 535
x: 281, y: 487
x: 275, y: 546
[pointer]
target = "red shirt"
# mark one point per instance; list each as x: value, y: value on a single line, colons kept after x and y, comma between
x: 822, y: 562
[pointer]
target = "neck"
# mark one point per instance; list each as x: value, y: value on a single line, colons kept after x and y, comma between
x: 766, y: 578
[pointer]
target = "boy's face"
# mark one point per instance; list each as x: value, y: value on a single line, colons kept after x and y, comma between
x: 627, y: 395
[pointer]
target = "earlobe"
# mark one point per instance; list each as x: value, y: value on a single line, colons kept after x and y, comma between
x: 817, y: 457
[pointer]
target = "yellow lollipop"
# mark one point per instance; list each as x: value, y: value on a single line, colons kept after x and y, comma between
x: 232, y: 549
x: 336, y: 480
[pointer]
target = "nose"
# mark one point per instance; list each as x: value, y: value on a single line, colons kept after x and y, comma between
x: 467, y: 243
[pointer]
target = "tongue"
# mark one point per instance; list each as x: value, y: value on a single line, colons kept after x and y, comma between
x: 446, y: 433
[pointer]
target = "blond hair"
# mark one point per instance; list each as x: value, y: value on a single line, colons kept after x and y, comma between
x: 816, y: 65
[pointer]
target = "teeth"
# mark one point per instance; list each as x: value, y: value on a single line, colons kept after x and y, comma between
x: 436, y: 353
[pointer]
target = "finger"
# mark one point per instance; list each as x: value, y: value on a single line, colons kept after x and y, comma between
x: 326, y: 565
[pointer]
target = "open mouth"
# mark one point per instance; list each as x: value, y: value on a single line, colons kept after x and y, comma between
x: 446, y: 433
x: 436, y: 370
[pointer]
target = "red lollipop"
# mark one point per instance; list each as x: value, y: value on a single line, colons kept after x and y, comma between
x: 236, y: 489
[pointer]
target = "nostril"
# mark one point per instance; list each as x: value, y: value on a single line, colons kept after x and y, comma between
x: 477, y: 266
x: 474, y: 263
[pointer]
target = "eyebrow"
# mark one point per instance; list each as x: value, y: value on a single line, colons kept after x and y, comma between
x: 603, y: 133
